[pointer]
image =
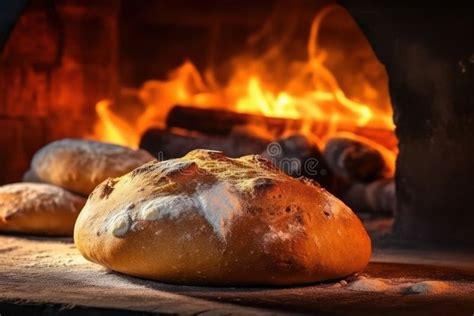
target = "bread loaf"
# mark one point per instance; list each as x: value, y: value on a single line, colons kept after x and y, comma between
x: 209, y: 219
x: 80, y: 165
x: 39, y: 209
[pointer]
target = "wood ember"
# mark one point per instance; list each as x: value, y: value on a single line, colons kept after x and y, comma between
x: 354, y: 160
x: 377, y: 198
x: 167, y: 144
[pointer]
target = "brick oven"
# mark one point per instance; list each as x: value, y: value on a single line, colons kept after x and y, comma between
x: 165, y: 76
x: 50, y: 49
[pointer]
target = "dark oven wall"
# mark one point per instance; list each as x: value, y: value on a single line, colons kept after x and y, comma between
x: 429, y: 55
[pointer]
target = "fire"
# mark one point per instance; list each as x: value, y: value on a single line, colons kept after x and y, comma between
x: 114, y: 128
x: 268, y: 85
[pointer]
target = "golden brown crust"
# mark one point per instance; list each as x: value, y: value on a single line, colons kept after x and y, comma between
x: 80, y: 165
x: 209, y: 219
x: 38, y: 209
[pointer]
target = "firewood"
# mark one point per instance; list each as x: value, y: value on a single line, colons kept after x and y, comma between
x: 377, y: 198
x: 354, y: 160
x: 297, y: 155
x: 168, y: 144
x: 222, y: 122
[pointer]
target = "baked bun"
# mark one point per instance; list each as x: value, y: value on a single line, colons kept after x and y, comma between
x: 30, y: 176
x: 39, y: 209
x: 80, y: 165
x: 209, y: 219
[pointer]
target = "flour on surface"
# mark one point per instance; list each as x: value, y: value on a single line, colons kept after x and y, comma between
x: 369, y: 285
x: 398, y: 286
x: 427, y: 287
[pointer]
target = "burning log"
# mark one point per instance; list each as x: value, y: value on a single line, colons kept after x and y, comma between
x: 356, y: 160
x: 376, y: 198
x: 222, y: 122
x: 168, y: 144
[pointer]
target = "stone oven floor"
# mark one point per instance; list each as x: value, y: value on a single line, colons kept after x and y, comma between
x: 43, y: 276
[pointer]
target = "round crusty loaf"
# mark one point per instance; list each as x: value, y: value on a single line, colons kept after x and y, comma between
x: 209, y: 219
x: 80, y: 165
x: 37, y: 208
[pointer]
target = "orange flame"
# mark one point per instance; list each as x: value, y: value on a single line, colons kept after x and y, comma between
x: 311, y: 93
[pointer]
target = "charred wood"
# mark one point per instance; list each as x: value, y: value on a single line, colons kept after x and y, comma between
x: 376, y: 198
x: 297, y: 156
x: 166, y: 144
x: 223, y: 122
x: 354, y: 161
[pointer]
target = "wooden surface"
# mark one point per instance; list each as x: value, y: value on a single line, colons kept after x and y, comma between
x: 35, y: 270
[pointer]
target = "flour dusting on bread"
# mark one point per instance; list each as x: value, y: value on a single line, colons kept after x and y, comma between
x: 279, y: 235
x: 220, y: 200
x: 220, y: 205
x: 217, y: 203
x: 166, y: 206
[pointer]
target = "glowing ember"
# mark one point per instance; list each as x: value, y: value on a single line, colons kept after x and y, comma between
x: 308, y: 91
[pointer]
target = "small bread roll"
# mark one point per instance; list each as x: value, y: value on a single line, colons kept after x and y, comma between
x: 209, y: 219
x: 30, y: 176
x: 80, y: 165
x: 38, y: 209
